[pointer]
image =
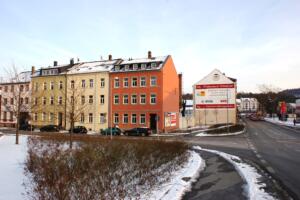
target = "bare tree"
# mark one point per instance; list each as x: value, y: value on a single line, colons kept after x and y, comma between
x: 16, y: 98
x: 265, y: 88
x: 76, y: 104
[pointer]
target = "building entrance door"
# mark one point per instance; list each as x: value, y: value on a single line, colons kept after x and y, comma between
x: 60, y: 118
x: 153, y: 123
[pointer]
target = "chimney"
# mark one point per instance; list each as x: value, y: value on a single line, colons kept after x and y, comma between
x: 149, y: 55
x: 109, y: 57
x: 32, y: 70
x: 55, y: 63
x: 72, y: 61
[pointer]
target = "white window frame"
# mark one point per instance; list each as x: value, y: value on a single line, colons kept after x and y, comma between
x: 116, y: 95
x: 127, y: 82
x: 145, y: 81
x: 124, y: 99
x: 132, y: 117
x: 151, y: 98
x: 91, y: 83
x: 127, y: 117
x: 116, y: 118
x: 116, y: 82
x: 83, y: 83
x: 102, y: 82
x: 144, y: 98
x: 51, y: 100
x: 45, y: 85
x: 91, y: 118
x: 102, y: 99
x: 60, y: 100
x: 91, y: 100
x: 102, y: 118
x: 60, y: 85
x: 144, y: 117
x: 51, y: 85
x: 151, y: 79
x: 82, y: 117
x: 136, y: 100
x: 133, y: 82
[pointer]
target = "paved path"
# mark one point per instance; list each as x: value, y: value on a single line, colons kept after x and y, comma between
x: 219, y: 180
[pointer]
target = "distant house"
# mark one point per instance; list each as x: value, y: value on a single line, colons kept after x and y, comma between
x: 248, y: 105
x: 215, y: 99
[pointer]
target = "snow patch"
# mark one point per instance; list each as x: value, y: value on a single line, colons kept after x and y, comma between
x: 248, y: 173
x: 181, y: 180
x: 289, y: 122
x: 217, y: 135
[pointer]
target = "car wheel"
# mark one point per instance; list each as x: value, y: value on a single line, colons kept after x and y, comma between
x: 143, y: 134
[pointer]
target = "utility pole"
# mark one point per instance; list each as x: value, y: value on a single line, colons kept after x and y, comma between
x: 227, y: 112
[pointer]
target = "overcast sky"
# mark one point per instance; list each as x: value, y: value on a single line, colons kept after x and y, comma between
x: 257, y: 41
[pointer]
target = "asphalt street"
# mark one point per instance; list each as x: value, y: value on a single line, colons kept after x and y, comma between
x: 273, y: 148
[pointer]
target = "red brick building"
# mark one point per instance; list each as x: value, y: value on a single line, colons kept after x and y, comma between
x: 145, y: 93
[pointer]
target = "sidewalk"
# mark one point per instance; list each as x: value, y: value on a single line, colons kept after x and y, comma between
x: 218, y: 180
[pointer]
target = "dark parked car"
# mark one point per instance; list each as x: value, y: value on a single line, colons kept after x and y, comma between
x: 26, y: 127
x: 79, y: 130
x: 50, y: 128
x: 138, y: 132
x: 113, y: 131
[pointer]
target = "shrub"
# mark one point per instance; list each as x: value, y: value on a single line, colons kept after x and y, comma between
x: 98, y: 168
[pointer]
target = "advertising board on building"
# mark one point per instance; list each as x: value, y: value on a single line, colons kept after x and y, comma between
x: 212, y: 96
x: 170, y: 119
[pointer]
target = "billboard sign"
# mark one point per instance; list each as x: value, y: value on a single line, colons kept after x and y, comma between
x: 170, y: 119
x: 212, y: 96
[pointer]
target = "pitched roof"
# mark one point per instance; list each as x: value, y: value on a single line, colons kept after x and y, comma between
x: 90, y: 67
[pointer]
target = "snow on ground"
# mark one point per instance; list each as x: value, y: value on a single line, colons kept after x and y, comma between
x: 289, y: 122
x: 204, y: 134
x: 176, y: 187
x: 254, y: 187
x: 13, y: 156
x: 11, y: 169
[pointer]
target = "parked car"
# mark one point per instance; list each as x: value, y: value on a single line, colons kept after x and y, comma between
x: 141, y: 131
x: 50, y: 128
x: 79, y: 130
x: 26, y: 127
x: 113, y: 131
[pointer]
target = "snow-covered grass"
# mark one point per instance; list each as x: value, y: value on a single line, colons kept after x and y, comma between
x: 254, y: 187
x: 218, y: 135
x: 289, y: 122
x: 181, y: 180
x: 12, y: 157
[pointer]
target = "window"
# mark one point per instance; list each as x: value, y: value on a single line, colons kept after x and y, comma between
x: 72, y: 100
x: 5, y: 101
x: 135, y: 66
x: 35, y: 117
x: 133, y: 118
x: 153, y: 99
x: 116, y: 118
x: 90, y: 117
x: 117, y: 83
x: 5, y: 115
x: 125, y: 119
x: 142, y: 119
x: 83, y: 83
x: 44, y: 100
x: 21, y: 88
x: 35, y: 101
x: 133, y: 99
x: 82, y: 117
x: 102, y: 118
x: 51, y: 100
x: 125, y: 99
x: 143, y: 99
x: 125, y: 82
x: 51, y: 85
x: 5, y: 88
x: 45, y: 86
x: 72, y: 84
x: 60, y: 85
x: 116, y: 99
x: 153, y: 81
x: 126, y: 67
x: 27, y: 87
x: 44, y: 115
x: 26, y: 100
x: 91, y: 83
x: 102, y: 82
x: 21, y: 101
x: 11, y: 116
x: 36, y: 87
x: 82, y: 100
x: 60, y: 100
x: 143, y: 66
x: 11, y: 101
x: 134, y: 82
x: 91, y: 99
x: 153, y: 65
x: 101, y: 99
x: 143, y: 81
x: 11, y: 88
x: 51, y: 117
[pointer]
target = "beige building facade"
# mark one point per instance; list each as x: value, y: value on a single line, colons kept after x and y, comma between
x: 215, y: 99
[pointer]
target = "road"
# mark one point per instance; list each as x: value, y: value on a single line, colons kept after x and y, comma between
x: 274, y: 148
x: 279, y: 150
